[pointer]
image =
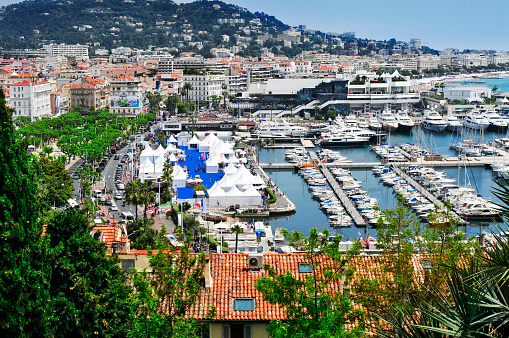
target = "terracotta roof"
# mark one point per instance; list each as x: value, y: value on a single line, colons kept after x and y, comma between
x: 27, y: 83
x: 231, y: 278
x: 77, y: 86
x: 125, y: 78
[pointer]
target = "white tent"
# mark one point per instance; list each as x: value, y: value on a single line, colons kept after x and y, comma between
x: 242, y: 169
x: 173, y: 140
x: 208, y: 143
x: 193, y: 143
x: 233, y: 196
x: 183, y: 138
x: 233, y: 159
x: 222, y: 148
x: 211, y: 165
x: 226, y: 183
x: 160, y: 151
x: 179, y: 177
x: 244, y: 179
x: 258, y: 182
x: 230, y: 169
x: 172, y: 158
x: 252, y: 197
x: 216, y: 194
x: 148, y: 153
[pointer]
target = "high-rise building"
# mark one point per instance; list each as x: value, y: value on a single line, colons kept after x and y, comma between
x: 78, y: 51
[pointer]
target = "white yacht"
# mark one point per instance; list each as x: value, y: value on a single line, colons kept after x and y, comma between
x: 342, y: 140
x: 374, y: 124
x: 269, y: 129
x: 388, y: 121
x: 350, y: 121
x: 497, y: 123
x: 476, y: 120
x: 405, y: 123
x: 453, y: 123
x: 433, y: 121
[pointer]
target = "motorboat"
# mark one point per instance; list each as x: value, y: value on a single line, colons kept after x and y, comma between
x: 270, y: 129
x: 405, y: 123
x: 476, y: 120
x: 343, y: 141
x: 433, y: 121
x: 453, y: 123
x: 497, y: 123
x: 388, y: 121
x: 374, y: 124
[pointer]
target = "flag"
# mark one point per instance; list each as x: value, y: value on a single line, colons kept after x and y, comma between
x: 204, y: 207
x: 253, y: 221
x: 201, y: 203
x: 197, y: 205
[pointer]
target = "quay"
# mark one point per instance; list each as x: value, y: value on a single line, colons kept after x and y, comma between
x: 352, y: 211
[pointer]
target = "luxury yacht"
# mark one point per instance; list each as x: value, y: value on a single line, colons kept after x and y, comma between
x: 497, y: 123
x: 476, y: 120
x: 433, y: 121
x: 453, y: 123
x: 405, y: 123
x: 388, y: 121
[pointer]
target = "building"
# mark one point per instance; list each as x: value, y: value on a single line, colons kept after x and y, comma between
x: 78, y: 51
x: 467, y: 94
x: 427, y: 62
x: 204, y: 86
x: 126, y: 96
x: 87, y: 96
x: 31, y: 98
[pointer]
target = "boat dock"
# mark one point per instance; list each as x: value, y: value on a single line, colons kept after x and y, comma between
x: 352, y: 211
x: 306, y: 143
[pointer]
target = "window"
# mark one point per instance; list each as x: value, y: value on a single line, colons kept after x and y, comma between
x: 237, y: 331
x: 243, y: 304
x: 305, y: 268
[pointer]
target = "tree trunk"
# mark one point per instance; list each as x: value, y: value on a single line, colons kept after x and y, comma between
x: 236, y: 241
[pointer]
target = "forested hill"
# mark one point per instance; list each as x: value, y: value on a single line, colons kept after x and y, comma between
x: 130, y: 23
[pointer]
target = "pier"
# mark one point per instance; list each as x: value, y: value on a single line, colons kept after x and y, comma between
x: 352, y: 211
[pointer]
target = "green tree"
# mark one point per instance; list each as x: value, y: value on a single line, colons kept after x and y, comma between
x: 154, y: 99
x: 187, y: 87
x: 87, y: 288
x: 313, y: 308
x: 24, y: 291
x: 142, y: 234
x: 174, y: 288
x: 171, y: 103
x: 133, y: 194
x: 236, y: 229
x: 59, y: 182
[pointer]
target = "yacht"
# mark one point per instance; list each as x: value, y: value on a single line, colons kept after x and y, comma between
x: 497, y: 123
x: 374, y: 124
x: 350, y: 121
x: 388, y: 121
x: 453, y: 123
x: 269, y: 129
x: 405, y: 123
x: 342, y: 140
x: 433, y: 121
x: 476, y: 120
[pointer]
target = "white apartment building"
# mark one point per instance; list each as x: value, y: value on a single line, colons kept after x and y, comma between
x: 467, y: 93
x: 126, y: 96
x: 204, y: 86
x: 427, y: 62
x: 78, y: 51
x: 499, y: 58
x: 387, y: 92
x: 31, y: 98
x: 471, y: 60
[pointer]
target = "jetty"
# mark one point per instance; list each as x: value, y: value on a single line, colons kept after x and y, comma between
x: 352, y: 211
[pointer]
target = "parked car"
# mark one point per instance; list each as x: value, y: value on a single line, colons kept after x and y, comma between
x: 173, y: 240
x: 117, y: 156
x: 120, y: 186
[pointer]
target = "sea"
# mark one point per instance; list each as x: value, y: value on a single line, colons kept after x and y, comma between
x: 308, y: 214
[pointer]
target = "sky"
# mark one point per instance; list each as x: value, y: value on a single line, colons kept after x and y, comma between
x: 439, y: 24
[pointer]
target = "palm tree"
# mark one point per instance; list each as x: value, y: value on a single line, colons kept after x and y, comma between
x: 187, y: 87
x: 171, y: 103
x: 149, y: 195
x: 236, y: 229
x: 224, y: 87
x: 133, y: 194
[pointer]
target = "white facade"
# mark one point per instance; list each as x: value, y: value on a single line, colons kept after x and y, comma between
x: 204, y: 86
x: 31, y: 99
x: 427, y: 62
x: 467, y: 93
x: 472, y: 60
x: 126, y: 96
x: 78, y: 51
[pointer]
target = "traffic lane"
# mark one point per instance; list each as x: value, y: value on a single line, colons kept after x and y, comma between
x: 75, y: 166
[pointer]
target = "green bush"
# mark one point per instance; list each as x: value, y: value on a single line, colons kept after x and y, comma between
x: 273, y: 198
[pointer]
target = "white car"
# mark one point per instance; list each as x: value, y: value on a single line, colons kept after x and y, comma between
x: 173, y: 240
x: 113, y: 208
x: 118, y: 196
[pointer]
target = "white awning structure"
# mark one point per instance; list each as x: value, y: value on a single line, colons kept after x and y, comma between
x: 216, y: 194
x: 226, y: 183
x: 230, y: 169
x: 148, y: 153
x: 241, y: 170
x: 193, y: 143
x: 244, y: 179
x: 172, y: 158
x: 179, y: 177
x: 258, y: 182
x: 208, y: 143
x: 211, y: 165
x: 173, y: 140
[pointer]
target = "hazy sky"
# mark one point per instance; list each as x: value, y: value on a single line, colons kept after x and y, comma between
x: 439, y: 24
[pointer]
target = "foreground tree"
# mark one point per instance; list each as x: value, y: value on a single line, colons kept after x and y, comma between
x: 174, y: 288
x: 315, y: 304
x: 24, y: 291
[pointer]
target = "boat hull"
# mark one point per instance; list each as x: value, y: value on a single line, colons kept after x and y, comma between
x: 405, y: 127
x: 338, y: 143
x: 437, y: 128
x: 497, y: 129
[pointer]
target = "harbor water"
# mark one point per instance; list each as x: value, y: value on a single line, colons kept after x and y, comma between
x: 309, y: 215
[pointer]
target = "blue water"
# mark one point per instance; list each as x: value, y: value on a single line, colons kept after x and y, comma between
x: 309, y: 215
x: 502, y: 83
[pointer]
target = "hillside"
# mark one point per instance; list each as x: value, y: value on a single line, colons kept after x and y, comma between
x: 130, y: 23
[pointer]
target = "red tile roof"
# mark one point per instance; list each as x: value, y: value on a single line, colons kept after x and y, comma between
x: 28, y: 82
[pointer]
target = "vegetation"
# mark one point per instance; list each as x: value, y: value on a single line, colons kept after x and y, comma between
x: 313, y: 307
x: 272, y: 198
